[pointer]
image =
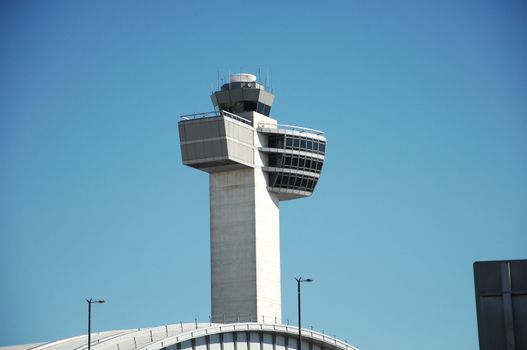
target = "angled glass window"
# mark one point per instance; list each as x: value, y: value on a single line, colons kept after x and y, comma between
x: 260, y: 107
x: 266, y: 110
x: 295, y: 162
x: 250, y: 105
x: 275, y: 141
x: 298, y: 182
x: 278, y: 180
x: 275, y: 160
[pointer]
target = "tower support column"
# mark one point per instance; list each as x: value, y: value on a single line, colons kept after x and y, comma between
x: 245, y: 248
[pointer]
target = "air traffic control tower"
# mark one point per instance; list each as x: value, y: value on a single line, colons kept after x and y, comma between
x: 253, y: 163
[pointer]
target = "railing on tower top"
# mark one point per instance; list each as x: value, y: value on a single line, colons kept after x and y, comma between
x: 289, y: 127
x: 215, y: 114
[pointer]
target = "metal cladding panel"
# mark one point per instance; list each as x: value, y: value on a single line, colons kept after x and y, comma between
x: 280, y: 342
x: 241, y: 341
x: 200, y: 344
x: 221, y: 97
x: 214, y: 100
x: 251, y: 94
x: 236, y: 95
x: 214, y: 340
x: 211, y: 144
x: 267, y: 342
x: 214, y: 149
x: 501, y: 303
x: 187, y: 344
x: 201, y: 129
x: 228, y: 341
x: 266, y: 98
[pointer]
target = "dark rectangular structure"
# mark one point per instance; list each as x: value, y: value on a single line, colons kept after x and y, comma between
x: 501, y: 303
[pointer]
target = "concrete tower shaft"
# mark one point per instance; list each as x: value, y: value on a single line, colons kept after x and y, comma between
x: 253, y: 163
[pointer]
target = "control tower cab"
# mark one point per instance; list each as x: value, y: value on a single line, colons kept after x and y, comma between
x: 241, y: 134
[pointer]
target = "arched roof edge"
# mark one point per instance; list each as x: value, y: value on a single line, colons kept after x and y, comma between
x: 250, y: 327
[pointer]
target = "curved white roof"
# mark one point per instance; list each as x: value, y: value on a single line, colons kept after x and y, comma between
x: 162, y: 337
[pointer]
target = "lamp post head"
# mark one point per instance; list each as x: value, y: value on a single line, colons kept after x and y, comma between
x: 300, y: 279
x: 91, y: 301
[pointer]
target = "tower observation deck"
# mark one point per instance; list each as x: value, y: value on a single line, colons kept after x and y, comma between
x: 253, y: 163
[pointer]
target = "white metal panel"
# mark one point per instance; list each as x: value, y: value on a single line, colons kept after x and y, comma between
x: 201, y: 343
x: 292, y: 343
x: 241, y: 344
x: 228, y: 343
x: 280, y: 342
x: 215, y: 342
x: 255, y: 341
x: 187, y: 344
x: 267, y: 341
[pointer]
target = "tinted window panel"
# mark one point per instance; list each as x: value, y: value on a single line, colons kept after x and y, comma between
x: 277, y: 181
x: 250, y: 106
x: 271, y: 140
x: 266, y: 110
x: 275, y: 160
x: 276, y: 141
x: 298, y: 182
x: 280, y: 142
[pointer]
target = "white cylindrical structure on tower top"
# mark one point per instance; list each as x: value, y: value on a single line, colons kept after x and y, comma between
x: 242, y: 78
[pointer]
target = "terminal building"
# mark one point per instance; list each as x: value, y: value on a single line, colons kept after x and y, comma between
x: 253, y: 163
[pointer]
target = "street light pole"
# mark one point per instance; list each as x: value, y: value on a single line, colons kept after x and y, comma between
x: 91, y: 301
x: 298, y: 281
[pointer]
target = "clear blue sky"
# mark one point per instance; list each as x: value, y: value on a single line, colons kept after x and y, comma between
x: 425, y: 108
